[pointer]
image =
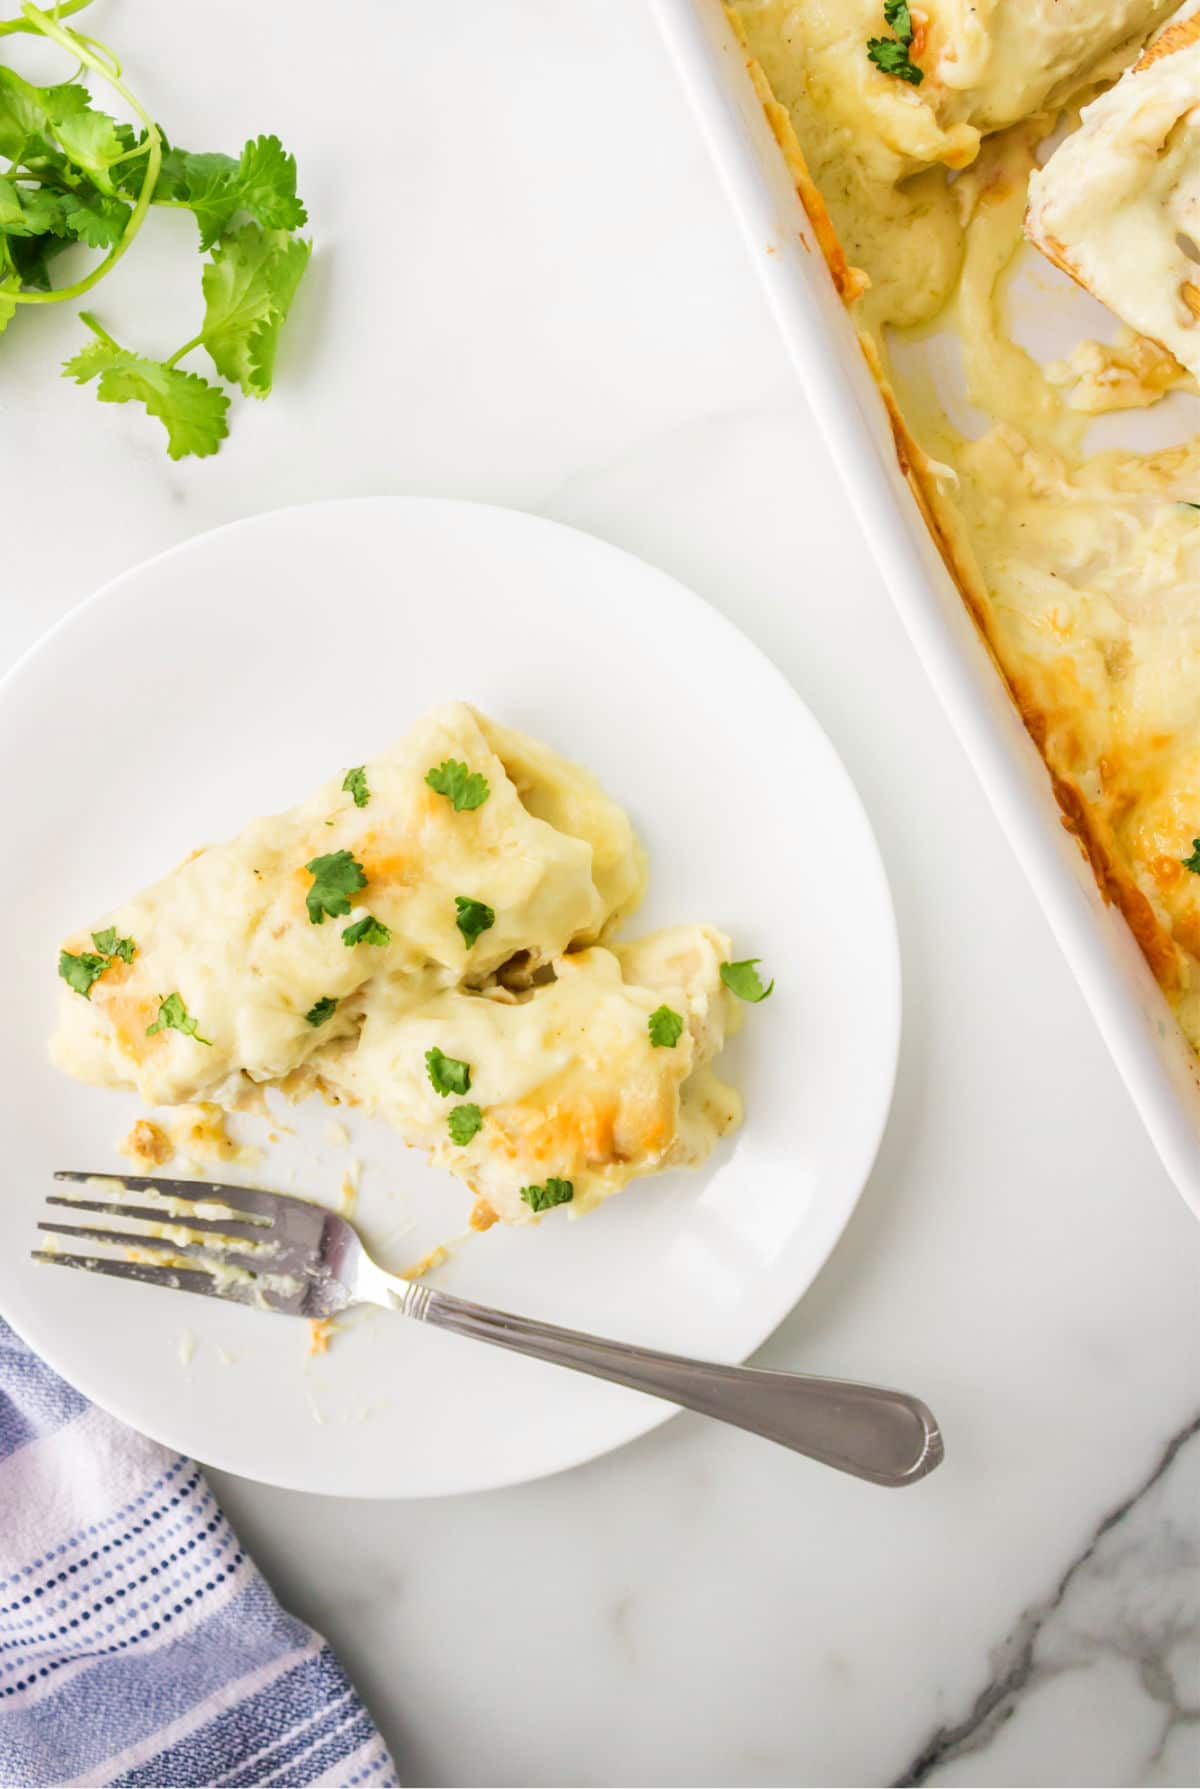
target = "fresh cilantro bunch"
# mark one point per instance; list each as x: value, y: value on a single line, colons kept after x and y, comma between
x: 69, y: 173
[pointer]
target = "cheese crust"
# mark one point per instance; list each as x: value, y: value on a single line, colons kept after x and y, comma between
x: 1081, y: 569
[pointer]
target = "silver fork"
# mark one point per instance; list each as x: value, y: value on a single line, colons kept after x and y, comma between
x: 284, y: 1254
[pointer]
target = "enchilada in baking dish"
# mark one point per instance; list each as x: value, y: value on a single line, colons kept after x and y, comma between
x: 1081, y: 566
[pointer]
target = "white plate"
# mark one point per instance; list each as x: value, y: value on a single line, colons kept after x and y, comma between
x: 224, y: 680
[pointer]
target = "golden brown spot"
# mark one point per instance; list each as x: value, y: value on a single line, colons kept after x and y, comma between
x: 320, y: 1333
x: 1175, y: 37
x: 1191, y: 297
x: 851, y: 282
x: 483, y: 1215
x: 147, y: 1145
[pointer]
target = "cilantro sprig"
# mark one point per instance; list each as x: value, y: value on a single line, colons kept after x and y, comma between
x: 75, y: 175
x: 367, y: 930
x: 335, y: 878
x: 82, y: 971
x: 744, y: 980
x: 1192, y: 863
x: 355, y: 783
x: 463, y: 788
x: 447, y: 1074
x: 463, y: 1123
x: 545, y: 1198
x: 893, y: 55
x: 173, y: 1015
x: 473, y: 918
x: 665, y: 1027
x: 321, y: 1010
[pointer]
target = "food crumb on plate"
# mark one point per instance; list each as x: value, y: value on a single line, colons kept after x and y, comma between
x: 187, y: 1347
x: 147, y: 1145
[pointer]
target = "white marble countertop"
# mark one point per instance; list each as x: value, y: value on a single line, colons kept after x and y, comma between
x: 527, y: 289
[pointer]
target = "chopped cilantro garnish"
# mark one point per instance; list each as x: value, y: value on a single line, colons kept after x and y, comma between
x: 462, y: 787
x: 173, y: 1015
x: 446, y: 1073
x: 463, y: 1123
x: 544, y: 1198
x: 367, y: 930
x: 666, y: 1028
x: 892, y: 55
x: 892, y: 58
x: 473, y: 917
x: 324, y: 1009
x: 109, y: 945
x: 744, y: 980
x: 1192, y: 863
x: 355, y: 784
x: 899, y: 18
x: 80, y: 972
x: 335, y: 879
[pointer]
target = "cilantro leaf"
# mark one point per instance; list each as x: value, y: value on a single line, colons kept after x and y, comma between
x: 262, y: 183
x: 463, y: 1123
x: 545, y: 1198
x: 22, y: 113
x: 892, y: 58
x: 91, y: 139
x: 900, y: 19
x: 216, y: 188
x: 173, y: 1015
x: 446, y: 1073
x: 665, y: 1027
x: 1192, y: 863
x: 30, y: 211
x: 190, y: 409
x: 463, y: 788
x: 94, y: 218
x: 80, y: 972
x: 109, y: 945
x: 8, y: 305
x: 323, y: 1009
x: 249, y: 286
x: 744, y: 980
x: 367, y: 930
x: 335, y: 878
x: 473, y: 918
x: 355, y: 783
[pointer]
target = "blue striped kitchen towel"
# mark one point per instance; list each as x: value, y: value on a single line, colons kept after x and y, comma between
x: 138, y: 1644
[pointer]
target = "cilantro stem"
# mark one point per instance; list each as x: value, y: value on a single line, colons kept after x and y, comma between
x: 197, y: 341
x: 107, y: 66
x: 61, y: 11
x: 98, y: 329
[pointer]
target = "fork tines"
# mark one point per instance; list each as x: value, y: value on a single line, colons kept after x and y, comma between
x: 234, y: 1249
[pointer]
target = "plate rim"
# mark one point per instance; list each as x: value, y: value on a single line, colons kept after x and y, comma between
x: 657, y: 1412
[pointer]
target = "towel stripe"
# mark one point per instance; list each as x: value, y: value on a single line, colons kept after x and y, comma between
x: 138, y: 1644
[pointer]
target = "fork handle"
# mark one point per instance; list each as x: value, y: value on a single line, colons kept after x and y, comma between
x: 885, y: 1436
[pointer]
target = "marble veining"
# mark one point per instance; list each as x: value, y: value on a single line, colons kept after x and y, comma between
x: 1132, y: 1595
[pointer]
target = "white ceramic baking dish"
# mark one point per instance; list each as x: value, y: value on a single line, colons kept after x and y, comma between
x: 1160, y: 1070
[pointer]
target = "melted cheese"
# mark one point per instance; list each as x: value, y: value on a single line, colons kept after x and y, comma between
x: 553, y: 1024
x: 1118, y: 204
x: 1082, y: 569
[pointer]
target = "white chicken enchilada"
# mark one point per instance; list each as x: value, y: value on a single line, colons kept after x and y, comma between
x: 927, y: 143
x: 428, y: 937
